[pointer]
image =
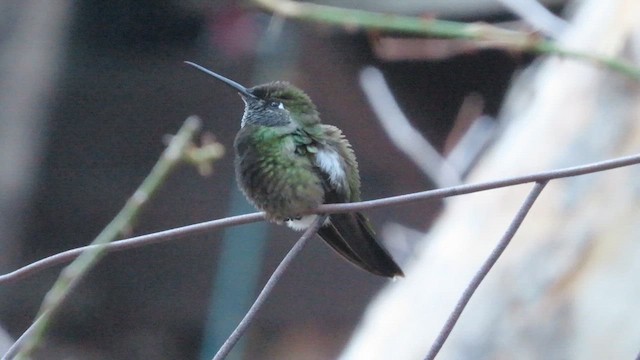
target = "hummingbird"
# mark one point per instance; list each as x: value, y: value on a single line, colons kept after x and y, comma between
x: 288, y: 163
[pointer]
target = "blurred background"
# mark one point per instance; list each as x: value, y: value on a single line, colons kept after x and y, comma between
x: 89, y: 90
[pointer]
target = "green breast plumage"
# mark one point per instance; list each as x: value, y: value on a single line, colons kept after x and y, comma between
x: 275, y: 171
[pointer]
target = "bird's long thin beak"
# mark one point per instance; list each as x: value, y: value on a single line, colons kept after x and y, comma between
x: 243, y: 90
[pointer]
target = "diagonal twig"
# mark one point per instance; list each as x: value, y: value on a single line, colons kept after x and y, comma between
x: 268, y: 288
x: 86, y: 259
x: 130, y: 243
x: 538, y: 16
x: 485, y: 268
x: 400, y: 131
x: 483, y: 35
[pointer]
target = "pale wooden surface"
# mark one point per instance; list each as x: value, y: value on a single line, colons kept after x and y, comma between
x: 569, y: 284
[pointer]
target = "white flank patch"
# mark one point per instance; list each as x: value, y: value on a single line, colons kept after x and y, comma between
x: 329, y: 161
x: 304, y: 222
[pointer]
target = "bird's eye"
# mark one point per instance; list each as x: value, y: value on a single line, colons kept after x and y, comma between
x: 277, y: 105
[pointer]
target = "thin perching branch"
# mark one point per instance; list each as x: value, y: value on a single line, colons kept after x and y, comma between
x: 193, y: 229
x: 485, y: 268
x: 268, y: 288
x: 130, y: 243
x: 72, y: 274
x: 483, y: 35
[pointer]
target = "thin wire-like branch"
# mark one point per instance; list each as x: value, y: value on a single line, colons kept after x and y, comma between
x: 402, y: 133
x: 184, y: 231
x: 268, y: 288
x: 72, y: 274
x: 489, y: 185
x: 482, y: 34
x: 13, y: 349
x: 130, y: 243
x: 485, y: 268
